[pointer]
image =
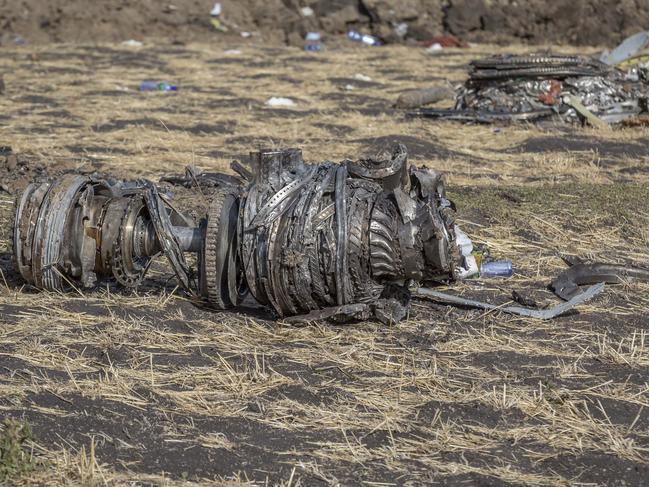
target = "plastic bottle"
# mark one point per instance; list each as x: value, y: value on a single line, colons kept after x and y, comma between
x: 496, y: 268
x: 157, y: 86
x: 312, y: 36
x: 364, y: 38
x: 313, y: 47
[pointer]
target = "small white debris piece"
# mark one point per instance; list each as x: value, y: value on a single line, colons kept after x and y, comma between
x: 216, y: 10
x: 401, y: 29
x: 470, y: 267
x: 132, y: 43
x: 246, y: 34
x: 306, y: 11
x: 350, y: 87
x: 232, y: 52
x: 362, y: 77
x: 278, y: 101
x: 122, y: 88
x: 312, y: 36
x: 434, y: 48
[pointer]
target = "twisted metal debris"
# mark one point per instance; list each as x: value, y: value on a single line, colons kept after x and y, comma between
x: 311, y: 241
x: 539, y: 87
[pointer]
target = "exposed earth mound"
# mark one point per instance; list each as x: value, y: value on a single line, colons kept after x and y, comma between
x: 587, y: 22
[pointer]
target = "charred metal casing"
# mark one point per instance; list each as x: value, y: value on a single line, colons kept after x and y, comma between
x: 315, y: 236
x: 76, y: 229
x: 299, y: 237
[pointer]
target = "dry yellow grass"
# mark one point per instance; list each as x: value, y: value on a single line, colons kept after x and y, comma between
x: 129, y: 388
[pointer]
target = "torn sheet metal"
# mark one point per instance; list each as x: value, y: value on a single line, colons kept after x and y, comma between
x: 541, y: 314
x: 566, y: 285
x: 626, y: 50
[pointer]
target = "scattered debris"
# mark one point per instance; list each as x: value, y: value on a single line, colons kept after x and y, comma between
x: 232, y: 52
x: 362, y: 77
x: 278, y: 101
x: 571, y: 89
x: 434, y: 49
x: 401, y: 29
x: 312, y: 44
x: 592, y: 119
x: 132, y: 43
x: 417, y: 98
x: 627, y: 49
x: 215, y: 19
x: 216, y: 10
x: 544, y: 314
x: 496, y: 268
x: 157, y: 86
x: 566, y: 285
x: 219, y: 25
x: 306, y: 11
x: 334, y: 241
x: 443, y: 41
x: 363, y: 38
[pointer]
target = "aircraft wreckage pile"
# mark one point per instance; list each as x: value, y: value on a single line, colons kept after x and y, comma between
x: 537, y: 86
x: 349, y: 240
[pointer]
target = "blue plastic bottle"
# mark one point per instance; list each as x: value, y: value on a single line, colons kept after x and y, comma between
x: 157, y: 86
x: 496, y: 268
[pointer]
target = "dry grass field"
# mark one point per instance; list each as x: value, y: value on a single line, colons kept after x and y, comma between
x: 147, y: 388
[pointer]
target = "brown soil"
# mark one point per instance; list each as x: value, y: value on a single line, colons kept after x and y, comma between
x: 588, y: 22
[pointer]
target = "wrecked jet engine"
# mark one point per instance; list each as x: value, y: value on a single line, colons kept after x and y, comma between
x: 321, y: 240
x: 570, y: 89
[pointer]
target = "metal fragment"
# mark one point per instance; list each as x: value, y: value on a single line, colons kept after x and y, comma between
x: 541, y: 314
x: 566, y: 285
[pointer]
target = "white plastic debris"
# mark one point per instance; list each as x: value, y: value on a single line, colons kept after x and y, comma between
x: 132, y: 43
x: 470, y: 267
x: 401, y: 29
x: 312, y: 36
x: 306, y: 11
x: 463, y: 241
x: 350, y: 87
x: 278, y: 101
x: 246, y: 34
x: 216, y: 10
x: 435, y: 48
x: 362, y: 77
x: 232, y: 52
